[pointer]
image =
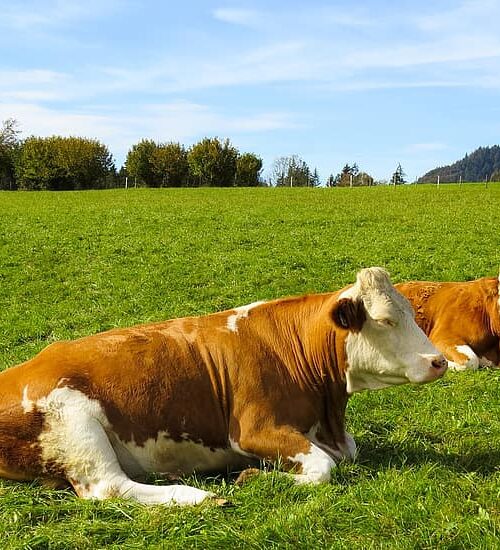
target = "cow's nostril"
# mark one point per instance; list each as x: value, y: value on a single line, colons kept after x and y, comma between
x: 439, y: 363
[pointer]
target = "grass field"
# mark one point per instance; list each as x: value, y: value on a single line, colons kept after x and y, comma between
x: 428, y: 472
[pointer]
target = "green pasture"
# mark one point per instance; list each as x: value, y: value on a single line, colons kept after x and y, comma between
x: 428, y: 471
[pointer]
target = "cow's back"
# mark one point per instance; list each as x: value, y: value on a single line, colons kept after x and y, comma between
x: 459, y: 313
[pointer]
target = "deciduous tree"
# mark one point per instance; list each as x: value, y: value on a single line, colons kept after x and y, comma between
x: 139, y: 162
x: 9, y: 147
x: 57, y: 162
x: 248, y: 170
x: 170, y: 165
x: 212, y: 162
x: 290, y: 171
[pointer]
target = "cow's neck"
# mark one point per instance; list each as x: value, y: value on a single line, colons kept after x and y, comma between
x: 303, y: 334
x: 312, y: 351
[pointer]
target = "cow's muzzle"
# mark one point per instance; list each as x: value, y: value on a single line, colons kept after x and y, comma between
x: 436, y: 366
x: 440, y: 362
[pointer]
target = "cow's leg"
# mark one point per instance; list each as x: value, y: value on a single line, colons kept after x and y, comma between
x: 345, y: 450
x: 460, y: 355
x: 485, y: 362
x: 491, y: 358
x: 293, y: 449
x: 90, y: 464
x: 316, y: 465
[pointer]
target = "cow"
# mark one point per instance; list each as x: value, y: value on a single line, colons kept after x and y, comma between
x: 267, y: 381
x: 462, y: 319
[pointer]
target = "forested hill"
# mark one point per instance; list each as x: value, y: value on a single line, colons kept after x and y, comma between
x: 483, y: 164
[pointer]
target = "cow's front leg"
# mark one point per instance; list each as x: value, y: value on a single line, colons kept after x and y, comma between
x: 316, y: 465
x: 342, y: 449
x: 459, y: 354
x: 306, y: 462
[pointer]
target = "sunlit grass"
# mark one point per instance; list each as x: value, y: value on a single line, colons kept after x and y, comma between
x: 427, y: 475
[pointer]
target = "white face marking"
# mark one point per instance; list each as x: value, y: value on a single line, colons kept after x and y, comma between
x: 472, y: 362
x: 240, y: 313
x: 316, y: 466
x: 390, y: 348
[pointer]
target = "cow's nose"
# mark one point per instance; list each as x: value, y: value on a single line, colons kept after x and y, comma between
x: 439, y: 362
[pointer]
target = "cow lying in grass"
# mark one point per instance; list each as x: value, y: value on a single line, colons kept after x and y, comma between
x: 265, y: 381
x: 461, y: 319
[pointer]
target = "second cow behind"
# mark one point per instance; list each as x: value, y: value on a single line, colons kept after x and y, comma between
x: 462, y: 319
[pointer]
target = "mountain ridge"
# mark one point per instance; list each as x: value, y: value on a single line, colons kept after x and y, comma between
x: 483, y: 164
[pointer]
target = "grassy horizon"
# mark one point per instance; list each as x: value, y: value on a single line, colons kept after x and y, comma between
x: 427, y: 474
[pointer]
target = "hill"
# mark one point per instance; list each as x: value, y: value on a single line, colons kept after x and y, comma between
x: 482, y: 164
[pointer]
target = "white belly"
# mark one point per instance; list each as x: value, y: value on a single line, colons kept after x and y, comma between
x: 164, y: 455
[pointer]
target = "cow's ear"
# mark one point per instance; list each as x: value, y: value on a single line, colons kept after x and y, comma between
x: 349, y: 314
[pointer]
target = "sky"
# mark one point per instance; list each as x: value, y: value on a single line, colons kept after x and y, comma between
x: 372, y: 82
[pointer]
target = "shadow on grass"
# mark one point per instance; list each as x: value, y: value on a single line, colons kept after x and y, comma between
x: 375, y: 453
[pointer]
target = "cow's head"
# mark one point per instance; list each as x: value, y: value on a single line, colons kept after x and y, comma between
x: 384, y: 346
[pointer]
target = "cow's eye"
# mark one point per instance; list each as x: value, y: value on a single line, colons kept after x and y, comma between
x: 386, y: 322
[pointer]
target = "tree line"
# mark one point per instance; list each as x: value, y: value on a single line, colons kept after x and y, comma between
x: 65, y: 163
x: 53, y: 163
x: 211, y: 162
x: 74, y: 163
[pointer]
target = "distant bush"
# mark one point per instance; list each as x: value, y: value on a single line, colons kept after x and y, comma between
x: 64, y: 163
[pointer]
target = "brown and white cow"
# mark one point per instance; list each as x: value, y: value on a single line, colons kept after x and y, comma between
x: 265, y: 381
x: 461, y: 319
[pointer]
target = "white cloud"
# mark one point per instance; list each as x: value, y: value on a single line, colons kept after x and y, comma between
x: 352, y: 61
x: 119, y: 129
x: 185, y: 121
x: 44, y: 121
x: 33, y: 85
x: 445, y: 50
x: 465, y: 15
x: 28, y: 15
x: 238, y: 16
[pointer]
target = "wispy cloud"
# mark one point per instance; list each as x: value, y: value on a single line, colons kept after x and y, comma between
x: 462, y: 15
x: 238, y: 16
x: 119, y: 129
x: 444, y: 50
x: 27, y: 15
x: 312, y: 57
x: 33, y: 85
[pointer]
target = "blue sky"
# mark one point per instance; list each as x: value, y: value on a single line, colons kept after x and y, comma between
x: 372, y: 82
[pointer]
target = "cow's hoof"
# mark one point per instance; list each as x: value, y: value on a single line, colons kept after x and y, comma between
x: 245, y: 475
x: 222, y: 502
